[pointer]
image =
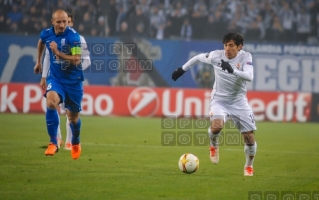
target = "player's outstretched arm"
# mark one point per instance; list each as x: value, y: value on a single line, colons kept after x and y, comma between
x: 45, y: 69
x: 205, y: 58
x: 46, y: 63
x: 74, y: 59
x: 38, y: 66
x: 86, y: 60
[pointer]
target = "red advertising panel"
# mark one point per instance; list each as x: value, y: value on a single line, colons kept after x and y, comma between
x: 156, y: 102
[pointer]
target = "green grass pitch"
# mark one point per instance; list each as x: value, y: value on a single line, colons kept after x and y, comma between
x: 122, y: 158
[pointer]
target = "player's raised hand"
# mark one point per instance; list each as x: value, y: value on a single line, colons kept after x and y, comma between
x: 37, y: 68
x: 226, y: 66
x: 177, y: 73
x: 54, y: 47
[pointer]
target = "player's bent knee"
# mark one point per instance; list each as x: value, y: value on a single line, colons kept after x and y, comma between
x: 52, y: 104
x: 73, y: 120
x: 73, y: 117
x: 249, y: 138
x: 215, y: 130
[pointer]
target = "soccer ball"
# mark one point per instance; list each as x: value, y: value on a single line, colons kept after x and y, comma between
x: 188, y: 163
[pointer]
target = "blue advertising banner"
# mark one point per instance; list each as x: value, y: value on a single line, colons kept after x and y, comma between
x: 140, y: 62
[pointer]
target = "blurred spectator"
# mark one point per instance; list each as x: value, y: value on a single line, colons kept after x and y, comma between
x: 219, y: 25
x: 24, y: 7
x: 139, y: 24
x: 176, y: 20
x: 256, y: 31
x: 87, y: 24
x: 232, y: 27
x: 93, y: 32
x: 157, y: 23
x: 186, y: 30
x: 101, y: 29
x: 112, y: 16
x: 139, y: 31
x: 5, y: 6
x: 145, y: 7
x: 124, y: 30
x: 15, y: 15
x: 303, y: 26
x: 3, y: 25
x: 198, y: 17
x: 121, y: 16
x: 34, y: 14
x: 287, y: 19
x: 26, y: 25
x: 277, y: 31
x: 209, y: 28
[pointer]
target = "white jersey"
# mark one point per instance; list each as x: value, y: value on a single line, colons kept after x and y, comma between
x: 85, y: 57
x: 227, y: 87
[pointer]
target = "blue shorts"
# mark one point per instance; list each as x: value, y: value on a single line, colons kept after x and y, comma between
x: 70, y: 94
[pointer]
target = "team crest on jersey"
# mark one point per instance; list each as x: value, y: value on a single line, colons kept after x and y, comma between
x: 238, y: 65
x: 63, y: 42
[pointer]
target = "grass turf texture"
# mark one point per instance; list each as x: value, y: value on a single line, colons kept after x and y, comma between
x: 122, y: 158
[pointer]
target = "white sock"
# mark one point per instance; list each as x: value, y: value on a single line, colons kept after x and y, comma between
x: 68, y: 131
x: 250, y: 151
x: 213, y: 138
x: 59, y: 130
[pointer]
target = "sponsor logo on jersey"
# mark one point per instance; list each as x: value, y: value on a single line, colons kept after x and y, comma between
x: 143, y: 102
x: 62, y: 41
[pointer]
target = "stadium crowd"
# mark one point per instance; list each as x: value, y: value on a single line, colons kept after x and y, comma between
x: 294, y: 21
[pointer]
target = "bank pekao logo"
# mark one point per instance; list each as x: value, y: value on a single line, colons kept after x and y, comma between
x: 143, y: 102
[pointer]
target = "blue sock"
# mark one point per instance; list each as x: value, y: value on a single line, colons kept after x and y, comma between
x: 52, y: 120
x: 76, y: 132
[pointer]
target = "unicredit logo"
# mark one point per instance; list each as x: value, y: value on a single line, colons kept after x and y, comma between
x: 143, y: 102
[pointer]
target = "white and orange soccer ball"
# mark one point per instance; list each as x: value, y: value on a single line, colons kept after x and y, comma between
x: 188, y: 163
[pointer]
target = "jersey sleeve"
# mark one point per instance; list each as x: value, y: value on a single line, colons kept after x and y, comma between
x: 46, y: 63
x: 75, y: 43
x: 85, y: 54
x: 84, y: 48
x: 43, y: 35
x: 203, y: 57
x: 248, y: 70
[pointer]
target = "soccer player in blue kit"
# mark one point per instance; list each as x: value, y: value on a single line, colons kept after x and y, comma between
x: 64, y: 80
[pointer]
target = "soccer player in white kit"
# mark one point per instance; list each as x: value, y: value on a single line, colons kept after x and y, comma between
x: 86, y: 62
x: 233, y: 68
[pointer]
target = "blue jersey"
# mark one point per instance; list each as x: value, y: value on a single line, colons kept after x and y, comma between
x: 69, y: 43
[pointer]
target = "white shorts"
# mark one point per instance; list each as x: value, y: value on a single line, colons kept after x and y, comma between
x: 239, y: 112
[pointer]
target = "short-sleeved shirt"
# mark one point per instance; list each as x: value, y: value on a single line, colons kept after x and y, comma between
x: 68, y: 43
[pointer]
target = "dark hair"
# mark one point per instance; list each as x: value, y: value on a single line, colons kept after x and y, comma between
x: 238, y: 38
x: 71, y: 16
